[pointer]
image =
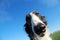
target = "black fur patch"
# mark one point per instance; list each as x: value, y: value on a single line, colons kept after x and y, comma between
x: 39, y: 29
x: 28, y: 27
x: 43, y: 19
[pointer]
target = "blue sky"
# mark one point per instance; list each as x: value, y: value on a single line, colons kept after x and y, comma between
x: 13, y: 12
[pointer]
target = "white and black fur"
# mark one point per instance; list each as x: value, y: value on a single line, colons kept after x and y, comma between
x: 36, y: 27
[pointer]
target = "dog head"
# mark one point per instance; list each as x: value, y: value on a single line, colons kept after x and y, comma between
x: 36, y: 22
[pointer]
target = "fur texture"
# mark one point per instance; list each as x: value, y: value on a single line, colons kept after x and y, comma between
x: 36, y: 27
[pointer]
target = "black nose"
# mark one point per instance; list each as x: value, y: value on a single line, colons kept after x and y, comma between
x: 39, y: 28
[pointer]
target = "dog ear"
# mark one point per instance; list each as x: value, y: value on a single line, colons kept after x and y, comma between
x: 44, y: 19
x: 28, y: 26
x: 28, y: 18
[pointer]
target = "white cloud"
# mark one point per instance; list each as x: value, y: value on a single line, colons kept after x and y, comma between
x: 4, y: 16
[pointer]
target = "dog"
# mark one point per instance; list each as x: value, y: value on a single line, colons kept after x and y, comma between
x: 36, y: 27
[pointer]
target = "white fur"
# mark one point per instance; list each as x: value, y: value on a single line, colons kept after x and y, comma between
x: 46, y: 37
x: 35, y: 19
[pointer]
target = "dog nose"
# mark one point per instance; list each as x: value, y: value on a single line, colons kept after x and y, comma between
x: 40, y: 28
x: 41, y: 25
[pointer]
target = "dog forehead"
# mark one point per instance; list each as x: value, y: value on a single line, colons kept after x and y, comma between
x: 36, y: 13
x: 35, y: 18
